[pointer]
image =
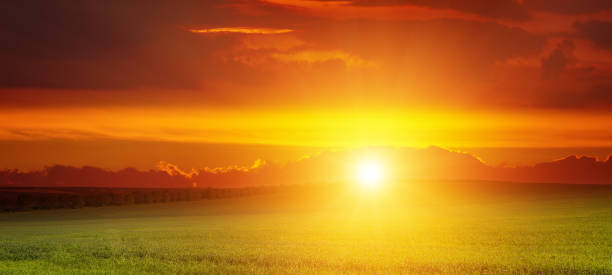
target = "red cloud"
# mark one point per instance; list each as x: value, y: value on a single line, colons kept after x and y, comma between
x: 570, y: 7
x: 506, y: 9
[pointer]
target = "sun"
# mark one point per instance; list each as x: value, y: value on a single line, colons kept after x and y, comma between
x: 370, y: 173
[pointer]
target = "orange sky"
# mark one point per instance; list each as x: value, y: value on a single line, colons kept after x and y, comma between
x: 305, y: 74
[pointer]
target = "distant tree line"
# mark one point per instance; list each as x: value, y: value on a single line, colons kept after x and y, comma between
x: 31, y: 198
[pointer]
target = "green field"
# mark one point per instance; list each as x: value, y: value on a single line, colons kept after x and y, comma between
x: 287, y: 233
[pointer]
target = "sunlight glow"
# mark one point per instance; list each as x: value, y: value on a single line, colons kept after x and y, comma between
x: 370, y: 173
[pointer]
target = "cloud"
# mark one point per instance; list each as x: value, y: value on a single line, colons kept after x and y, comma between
x: 571, y: 169
x: 506, y: 9
x: 330, y: 167
x: 136, y: 44
x: 558, y: 60
x: 430, y: 48
x: 311, y: 57
x: 137, y: 53
x: 59, y: 175
x: 597, y: 96
x: 569, y: 7
x: 244, y: 30
x: 125, y: 45
x: 173, y: 170
x: 256, y: 53
x: 599, y: 32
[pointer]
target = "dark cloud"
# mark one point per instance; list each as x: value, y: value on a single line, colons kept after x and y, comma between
x: 139, y: 49
x: 558, y: 60
x: 59, y: 175
x: 599, y: 32
x: 596, y: 97
x: 506, y: 9
x: 572, y: 169
x: 121, y: 44
x: 569, y: 7
x: 431, y: 163
x: 435, y: 46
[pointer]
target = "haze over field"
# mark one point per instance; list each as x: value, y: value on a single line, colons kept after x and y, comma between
x: 456, y: 228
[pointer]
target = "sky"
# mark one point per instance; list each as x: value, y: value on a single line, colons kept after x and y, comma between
x: 119, y: 84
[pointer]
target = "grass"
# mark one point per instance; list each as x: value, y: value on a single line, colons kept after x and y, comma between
x: 352, y: 233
